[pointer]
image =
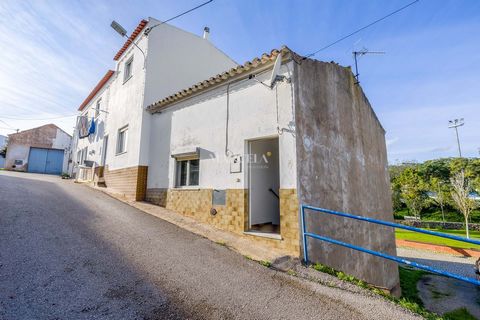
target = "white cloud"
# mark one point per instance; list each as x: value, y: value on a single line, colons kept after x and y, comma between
x: 51, y: 58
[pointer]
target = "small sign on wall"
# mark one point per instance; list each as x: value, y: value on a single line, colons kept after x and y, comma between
x: 236, y: 164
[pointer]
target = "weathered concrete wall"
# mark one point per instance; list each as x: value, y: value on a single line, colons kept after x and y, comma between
x: 342, y: 165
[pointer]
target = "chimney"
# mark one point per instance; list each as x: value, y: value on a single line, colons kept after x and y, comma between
x: 206, y: 33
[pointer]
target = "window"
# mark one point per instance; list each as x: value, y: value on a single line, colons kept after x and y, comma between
x: 188, y: 172
x: 82, y: 155
x: 127, y: 72
x: 97, y: 107
x: 122, y: 140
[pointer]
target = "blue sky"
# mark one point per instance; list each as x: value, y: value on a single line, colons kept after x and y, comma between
x: 54, y: 52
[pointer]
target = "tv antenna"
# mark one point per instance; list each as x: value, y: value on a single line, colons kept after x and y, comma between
x: 362, y: 52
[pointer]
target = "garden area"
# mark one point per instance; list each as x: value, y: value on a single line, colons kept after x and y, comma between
x: 425, y: 238
x: 443, y: 190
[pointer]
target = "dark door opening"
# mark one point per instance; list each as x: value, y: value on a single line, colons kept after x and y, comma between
x: 264, y: 185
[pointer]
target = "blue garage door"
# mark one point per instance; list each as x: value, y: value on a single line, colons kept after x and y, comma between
x: 48, y: 161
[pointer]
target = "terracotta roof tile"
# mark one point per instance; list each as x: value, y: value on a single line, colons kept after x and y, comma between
x: 130, y: 39
x: 224, y: 76
x: 97, y: 88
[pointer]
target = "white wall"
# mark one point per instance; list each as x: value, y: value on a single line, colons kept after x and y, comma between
x: 201, y: 122
x: 176, y: 59
x: 63, y: 141
x: 18, y: 152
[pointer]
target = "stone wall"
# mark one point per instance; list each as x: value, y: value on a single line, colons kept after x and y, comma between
x: 131, y: 182
x: 439, y: 225
x: 342, y: 166
x: 233, y: 216
x: 157, y: 196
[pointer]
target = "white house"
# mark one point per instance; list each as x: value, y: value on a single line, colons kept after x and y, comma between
x: 164, y: 60
x: 242, y: 146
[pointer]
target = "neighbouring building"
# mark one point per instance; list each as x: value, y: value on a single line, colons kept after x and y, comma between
x: 244, y: 146
x: 3, y: 143
x: 39, y: 150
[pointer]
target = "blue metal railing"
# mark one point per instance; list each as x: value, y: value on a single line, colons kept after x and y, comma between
x: 306, y: 234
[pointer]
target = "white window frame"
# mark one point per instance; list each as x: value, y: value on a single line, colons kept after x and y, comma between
x: 178, y: 173
x: 128, y: 66
x: 82, y: 155
x: 123, y: 130
x: 97, y: 107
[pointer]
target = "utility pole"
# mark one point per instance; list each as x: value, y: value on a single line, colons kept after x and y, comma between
x: 455, y: 123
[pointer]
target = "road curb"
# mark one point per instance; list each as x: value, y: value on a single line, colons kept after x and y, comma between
x: 438, y: 248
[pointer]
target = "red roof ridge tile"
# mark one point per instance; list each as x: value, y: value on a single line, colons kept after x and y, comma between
x: 130, y: 39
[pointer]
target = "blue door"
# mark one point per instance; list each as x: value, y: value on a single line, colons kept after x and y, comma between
x: 48, y: 161
x: 37, y: 160
x: 54, y: 162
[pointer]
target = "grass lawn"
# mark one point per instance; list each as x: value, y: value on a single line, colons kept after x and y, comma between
x: 459, y: 314
x: 408, y: 282
x: 425, y: 238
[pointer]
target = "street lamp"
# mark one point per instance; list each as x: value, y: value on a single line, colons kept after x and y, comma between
x: 117, y: 27
x: 455, y: 123
x: 121, y: 31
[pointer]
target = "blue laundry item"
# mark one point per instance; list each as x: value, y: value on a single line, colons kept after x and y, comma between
x: 91, y: 130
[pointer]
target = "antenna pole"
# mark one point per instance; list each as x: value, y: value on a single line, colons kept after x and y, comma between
x: 362, y: 52
x: 356, y: 67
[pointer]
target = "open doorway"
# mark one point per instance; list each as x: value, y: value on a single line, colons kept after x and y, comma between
x: 104, y: 153
x: 264, y: 185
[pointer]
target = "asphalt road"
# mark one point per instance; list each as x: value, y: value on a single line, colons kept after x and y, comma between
x: 70, y: 252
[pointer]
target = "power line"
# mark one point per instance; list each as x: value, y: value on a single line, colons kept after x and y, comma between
x: 7, y: 124
x: 39, y: 119
x: 361, y: 29
x: 147, y: 31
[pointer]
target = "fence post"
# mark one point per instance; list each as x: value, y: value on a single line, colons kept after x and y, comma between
x: 304, y: 236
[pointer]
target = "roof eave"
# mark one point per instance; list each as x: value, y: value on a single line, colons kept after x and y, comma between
x: 138, y: 31
x: 96, y: 89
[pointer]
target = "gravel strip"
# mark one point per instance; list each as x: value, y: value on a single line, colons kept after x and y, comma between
x: 456, y: 264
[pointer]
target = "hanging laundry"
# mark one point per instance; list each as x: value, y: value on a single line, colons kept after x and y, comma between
x: 83, y: 129
x: 91, y: 129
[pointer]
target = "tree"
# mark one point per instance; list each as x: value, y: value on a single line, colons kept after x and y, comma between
x: 461, y: 188
x: 473, y: 174
x: 437, y: 168
x: 413, y: 190
x: 442, y: 193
